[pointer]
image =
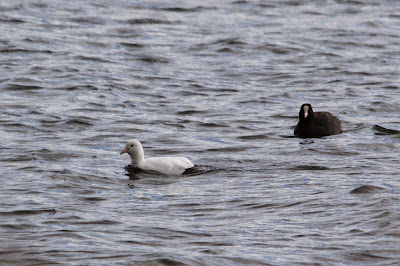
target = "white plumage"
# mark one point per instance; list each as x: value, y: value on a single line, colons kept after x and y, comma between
x: 164, y: 165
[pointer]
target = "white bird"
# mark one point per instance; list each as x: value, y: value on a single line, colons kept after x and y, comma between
x: 164, y: 165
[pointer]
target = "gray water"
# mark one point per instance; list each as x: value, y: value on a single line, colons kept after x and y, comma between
x: 219, y: 82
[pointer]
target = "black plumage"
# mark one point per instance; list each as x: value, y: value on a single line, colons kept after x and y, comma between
x: 316, y: 124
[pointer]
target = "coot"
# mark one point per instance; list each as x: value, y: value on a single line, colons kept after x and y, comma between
x: 316, y: 124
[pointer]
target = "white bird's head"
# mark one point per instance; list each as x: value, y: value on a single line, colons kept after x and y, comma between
x: 135, y: 150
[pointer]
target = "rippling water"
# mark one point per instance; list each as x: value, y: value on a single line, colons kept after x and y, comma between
x: 220, y: 82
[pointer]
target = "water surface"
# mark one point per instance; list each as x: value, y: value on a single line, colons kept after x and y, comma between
x: 220, y: 83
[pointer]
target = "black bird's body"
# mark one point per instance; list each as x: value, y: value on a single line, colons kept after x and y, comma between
x: 316, y: 124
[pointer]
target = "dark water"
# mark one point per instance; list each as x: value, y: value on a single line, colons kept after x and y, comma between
x: 220, y: 82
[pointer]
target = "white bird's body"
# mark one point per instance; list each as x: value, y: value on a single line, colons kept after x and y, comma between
x: 164, y: 165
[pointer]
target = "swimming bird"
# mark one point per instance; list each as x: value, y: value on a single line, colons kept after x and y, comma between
x: 316, y: 124
x: 164, y: 165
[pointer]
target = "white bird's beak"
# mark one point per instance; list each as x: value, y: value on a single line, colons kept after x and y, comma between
x: 123, y: 151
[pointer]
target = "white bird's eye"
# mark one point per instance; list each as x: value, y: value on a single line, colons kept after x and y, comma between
x: 131, y: 145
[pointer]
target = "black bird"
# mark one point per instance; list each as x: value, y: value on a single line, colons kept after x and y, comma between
x: 316, y: 124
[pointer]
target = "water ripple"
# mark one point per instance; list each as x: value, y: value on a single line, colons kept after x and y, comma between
x: 220, y: 83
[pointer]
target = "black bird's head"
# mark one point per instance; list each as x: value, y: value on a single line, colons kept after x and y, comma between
x: 306, y: 112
